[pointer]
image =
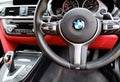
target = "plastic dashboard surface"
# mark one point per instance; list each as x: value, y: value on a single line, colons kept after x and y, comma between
x: 11, y: 42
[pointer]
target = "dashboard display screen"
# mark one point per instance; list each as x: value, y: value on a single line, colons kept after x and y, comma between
x: 25, y: 2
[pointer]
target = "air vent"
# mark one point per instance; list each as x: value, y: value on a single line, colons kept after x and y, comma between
x: 31, y: 11
x: 12, y: 11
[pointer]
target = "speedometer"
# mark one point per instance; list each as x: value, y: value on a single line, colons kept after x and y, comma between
x: 70, y: 4
x: 91, y: 5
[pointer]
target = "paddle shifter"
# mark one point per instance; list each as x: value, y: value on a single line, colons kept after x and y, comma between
x: 9, y: 61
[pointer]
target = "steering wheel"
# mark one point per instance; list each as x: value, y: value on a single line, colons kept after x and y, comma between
x: 78, y: 27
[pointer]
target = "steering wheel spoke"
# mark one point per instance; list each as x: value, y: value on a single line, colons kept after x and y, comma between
x: 78, y: 54
x: 110, y: 26
x: 49, y: 24
x: 50, y: 28
x: 52, y: 18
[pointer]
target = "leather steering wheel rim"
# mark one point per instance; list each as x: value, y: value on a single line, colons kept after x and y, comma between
x: 106, y: 59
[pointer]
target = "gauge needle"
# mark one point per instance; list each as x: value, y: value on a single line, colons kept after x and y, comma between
x: 90, y: 7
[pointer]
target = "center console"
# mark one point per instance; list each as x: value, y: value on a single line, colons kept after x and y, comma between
x: 17, y: 25
x: 25, y: 63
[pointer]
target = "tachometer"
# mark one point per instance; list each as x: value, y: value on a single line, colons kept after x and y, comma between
x: 70, y: 4
x: 92, y: 5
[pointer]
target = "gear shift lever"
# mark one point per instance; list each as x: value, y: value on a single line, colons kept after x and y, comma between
x: 9, y: 61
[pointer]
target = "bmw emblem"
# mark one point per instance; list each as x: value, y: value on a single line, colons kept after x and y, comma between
x: 78, y: 24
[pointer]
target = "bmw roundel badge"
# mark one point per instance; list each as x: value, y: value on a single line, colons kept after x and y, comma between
x: 78, y: 24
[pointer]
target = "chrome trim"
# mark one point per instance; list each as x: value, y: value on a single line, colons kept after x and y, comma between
x: 77, y: 54
x: 24, y: 60
x: 29, y: 52
x: 16, y: 17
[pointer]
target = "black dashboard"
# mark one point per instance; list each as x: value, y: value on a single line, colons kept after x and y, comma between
x: 25, y: 2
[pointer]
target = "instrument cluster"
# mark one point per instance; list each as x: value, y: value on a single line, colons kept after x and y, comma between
x: 66, y: 5
x: 91, y: 5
